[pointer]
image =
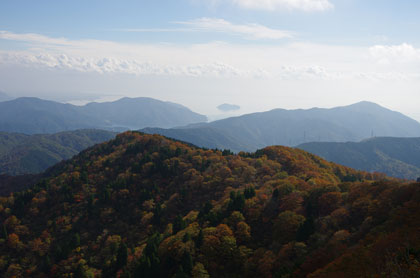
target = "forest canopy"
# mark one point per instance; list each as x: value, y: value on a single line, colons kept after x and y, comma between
x: 147, y: 206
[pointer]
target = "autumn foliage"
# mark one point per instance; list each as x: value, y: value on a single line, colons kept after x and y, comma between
x: 147, y: 206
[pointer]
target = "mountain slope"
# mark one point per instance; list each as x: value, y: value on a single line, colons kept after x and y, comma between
x: 398, y: 157
x: 146, y: 206
x: 135, y: 113
x: 9, y: 184
x: 24, y: 154
x: 293, y: 127
x: 33, y: 116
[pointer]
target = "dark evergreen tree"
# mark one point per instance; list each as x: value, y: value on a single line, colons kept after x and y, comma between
x: 4, y: 232
x: 46, y: 264
x: 75, y: 241
x: 122, y: 256
x: 80, y: 272
x: 157, y: 215
x: 149, y: 263
x: 205, y: 210
x: 143, y: 268
x: 276, y: 194
x: 306, y: 229
x: 199, y: 240
x: 249, y: 192
x: 186, y: 238
x: 179, y: 224
x: 187, y: 262
x: 181, y: 274
x: 237, y: 201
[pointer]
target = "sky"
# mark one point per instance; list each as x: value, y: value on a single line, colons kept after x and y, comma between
x: 258, y: 54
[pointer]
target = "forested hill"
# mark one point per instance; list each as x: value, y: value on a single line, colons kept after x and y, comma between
x: 146, y: 206
x: 293, y: 127
x: 29, y: 154
x: 397, y: 157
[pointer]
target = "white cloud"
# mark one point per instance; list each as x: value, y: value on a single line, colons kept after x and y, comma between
x: 306, y: 72
x: 291, y: 61
x: 250, y: 31
x: 112, y: 65
x: 126, y: 66
x: 276, y: 5
x: 389, y: 54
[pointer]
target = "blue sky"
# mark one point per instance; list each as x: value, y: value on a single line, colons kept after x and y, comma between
x: 260, y: 54
x: 351, y: 21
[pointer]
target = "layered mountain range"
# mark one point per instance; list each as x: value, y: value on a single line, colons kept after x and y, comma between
x: 23, y: 154
x: 34, y: 116
x: 293, y: 127
x: 143, y: 205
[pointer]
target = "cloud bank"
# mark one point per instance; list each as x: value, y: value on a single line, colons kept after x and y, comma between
x: 110, y: 65
x: 291, y: 61
x: 388, y: 54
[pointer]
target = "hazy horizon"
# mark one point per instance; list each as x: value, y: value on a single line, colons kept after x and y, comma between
x: 259, y: 55
x: 217, y: 115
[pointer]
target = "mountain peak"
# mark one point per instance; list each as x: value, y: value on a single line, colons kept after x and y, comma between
x: 293, y: 127
x: 149, y: 198
x: 366, y: 105
x: 366, y: 102
x: 33, y: 115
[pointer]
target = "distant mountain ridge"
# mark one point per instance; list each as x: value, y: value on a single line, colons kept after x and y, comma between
x: 398, y: 157
x: 34, y: 116
x: 30, y: 154
x: 293, y: 127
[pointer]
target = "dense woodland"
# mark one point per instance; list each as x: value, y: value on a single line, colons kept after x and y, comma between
x: 22, y: 154
x: 9, y: 184
x: 146, y: 206
x: 396, y: 157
